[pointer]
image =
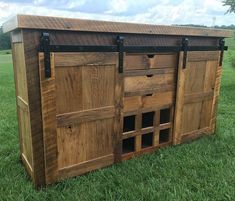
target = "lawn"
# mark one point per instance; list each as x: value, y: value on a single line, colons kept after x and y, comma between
x: 200, y: 170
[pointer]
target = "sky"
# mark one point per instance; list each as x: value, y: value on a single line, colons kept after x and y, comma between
x: 164, y: 12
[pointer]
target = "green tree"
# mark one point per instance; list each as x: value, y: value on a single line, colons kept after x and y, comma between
x: 5, y: 42
x: 231, y: 4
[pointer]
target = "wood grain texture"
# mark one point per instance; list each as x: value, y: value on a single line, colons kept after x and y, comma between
x: 145, y: 62
x: 48, y: 101
x: 138, y: 132
x: 101, y: 38
x: 179, y: 101
x: 147, y: 150
x: 154, y: 71
x: 85, y: 116
x: 84, y: 77
x: 157, y: 99
x: 22, y: 105
x: 69, y: 24
x: 195, y: 95
x: 86, y: 167
x: 148, y: 84
x: 88, y: 96
x: 118, y: 121
x: 79, y: 143
x: 76, y: 59
x: 27, y: 166
x: 218, y: 75
x: 31, y: 42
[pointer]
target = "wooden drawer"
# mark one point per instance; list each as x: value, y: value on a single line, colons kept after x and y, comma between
x: 140, y: 85
x: 144, y: 61
x: 145, y: 102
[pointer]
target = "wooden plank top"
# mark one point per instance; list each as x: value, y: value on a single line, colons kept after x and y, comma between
x: 69, y: 24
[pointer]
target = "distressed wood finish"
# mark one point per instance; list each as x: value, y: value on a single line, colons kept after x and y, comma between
x: 22, y: 102
x: 80, y: 119
x: 151, y: 61
x: 149, y: 90
x: 69, y: 24
x: 48, y: 102
x: 195, y: 95
x: 87, y: 115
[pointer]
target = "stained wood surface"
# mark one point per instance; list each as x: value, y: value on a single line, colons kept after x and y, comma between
x: 216, y: 97
x: 148, y: 84
x: 31, y: 42
x: 195, y: 95
x: 137, y: 100
x: 69, y: 24
x: 48, y: 104
x: 157, y: 99
x: 144, y: 61
x: 81, y: 106
x: 22, y: 105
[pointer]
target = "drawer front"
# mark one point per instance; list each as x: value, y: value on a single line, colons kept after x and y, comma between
x: 144, y: 61
x: 145, y: 102
x: 140, y: 85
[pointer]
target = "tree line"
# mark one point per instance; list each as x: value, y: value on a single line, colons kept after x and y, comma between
x: 5, y: 42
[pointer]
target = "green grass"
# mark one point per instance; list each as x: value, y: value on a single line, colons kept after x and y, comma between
x: 201, y: 170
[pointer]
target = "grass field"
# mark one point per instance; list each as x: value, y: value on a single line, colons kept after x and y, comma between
x: 201, y: 170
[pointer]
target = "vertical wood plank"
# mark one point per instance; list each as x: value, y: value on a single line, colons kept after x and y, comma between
x: 118, y: 120
x: 31, y: 42
x: 138, y: 122
x: 179, y: 101
x: 156, y: 128
x: 48, y: 103
x: 216, y: 96
x: 22, y: 101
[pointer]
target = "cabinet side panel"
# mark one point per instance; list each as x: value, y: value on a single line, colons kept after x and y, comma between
x: 31, y: 42
x: 216, y: 98
x: 22, y: 105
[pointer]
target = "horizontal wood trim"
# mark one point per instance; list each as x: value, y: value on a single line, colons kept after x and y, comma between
x: 135, y: 133
x: 130, y: 134
x: 69, y: 24
x: 130, y: 155
x: 159, y: 88
x: 86, y: 166
x: 22, y: 103
x: 150, y: 61
x: 203, y: 56
x: 85, y: 59
x: 197, y: 97
x: 195, y: 134
x: 27, y: 165
x: 165, y: 126
x: 149, y: 109
x: 84, y: 116
x: 130, y: 73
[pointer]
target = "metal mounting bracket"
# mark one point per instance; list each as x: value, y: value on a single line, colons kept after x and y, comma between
x: 119, y: 47
x: 120, y: 41
x: 185, y: 43
x: 222, y: 48
x: 45, y: 47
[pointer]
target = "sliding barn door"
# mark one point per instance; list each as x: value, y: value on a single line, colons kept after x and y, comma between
x: 81, y: 112
x: 196, y: 95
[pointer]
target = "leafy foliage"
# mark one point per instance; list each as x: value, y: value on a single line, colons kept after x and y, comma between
x: 230, y: 3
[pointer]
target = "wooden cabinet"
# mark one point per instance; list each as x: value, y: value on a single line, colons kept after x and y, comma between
x: 80, y: 112
x: 92, y: 93
x: 196, y: 95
